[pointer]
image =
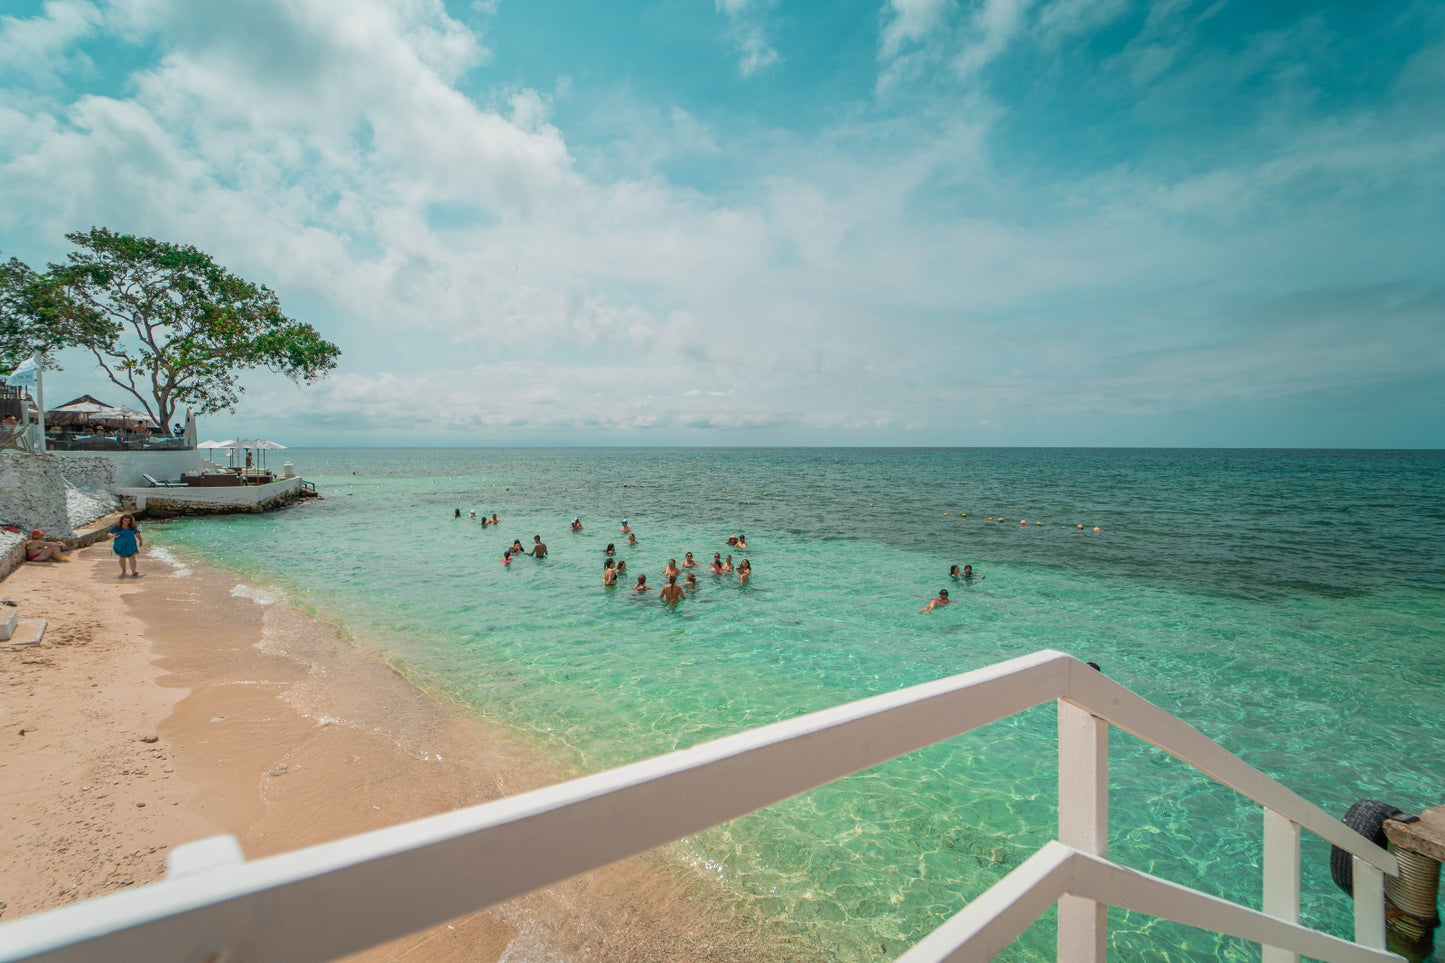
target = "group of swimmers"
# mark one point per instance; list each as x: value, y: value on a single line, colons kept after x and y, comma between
x: 494, y: 520
x: 613, y: 569
x: 672, y: 592
x: 966, y: 575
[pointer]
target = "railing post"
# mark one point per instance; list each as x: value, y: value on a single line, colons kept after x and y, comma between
x: 1369, y: 887
x: 1083, y: 824
x: 1281, y: 877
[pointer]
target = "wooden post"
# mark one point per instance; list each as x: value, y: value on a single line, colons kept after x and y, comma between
x: 1084, y: 825
x: 1281, y: 878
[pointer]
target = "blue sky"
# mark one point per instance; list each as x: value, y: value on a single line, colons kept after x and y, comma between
x: 898, y: 222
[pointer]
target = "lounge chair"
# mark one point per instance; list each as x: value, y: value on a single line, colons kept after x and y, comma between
x: 157, y: 483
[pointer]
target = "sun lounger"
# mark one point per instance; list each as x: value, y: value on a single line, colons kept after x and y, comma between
x: 157, y: 483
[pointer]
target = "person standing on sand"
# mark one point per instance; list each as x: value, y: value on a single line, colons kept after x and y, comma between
x: 670, y: 593
x: 126, y: 543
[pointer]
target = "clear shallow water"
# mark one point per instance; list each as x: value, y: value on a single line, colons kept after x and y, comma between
x: 1290, y: 604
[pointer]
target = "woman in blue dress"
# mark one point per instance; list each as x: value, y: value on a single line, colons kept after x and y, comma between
x: 126, y: 543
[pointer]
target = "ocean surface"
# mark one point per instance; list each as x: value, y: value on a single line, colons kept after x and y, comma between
x: 1289, y: 604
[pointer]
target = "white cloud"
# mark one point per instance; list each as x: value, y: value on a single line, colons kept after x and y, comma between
x: 909, y: 22
x: 1066, y: 18
x: 745, y: 32
x: 991, y: 30
x: 42, y: 47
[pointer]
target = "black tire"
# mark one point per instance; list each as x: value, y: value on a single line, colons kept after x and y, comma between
x: 1366, y: 817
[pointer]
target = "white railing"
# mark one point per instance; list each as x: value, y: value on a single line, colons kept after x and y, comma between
x: 350, y: 894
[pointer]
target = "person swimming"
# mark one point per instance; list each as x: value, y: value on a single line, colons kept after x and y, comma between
x: 641, y: 585
x: 745, y: 571
x: 631, y: 539
x: 727, y: 565
x: 688, y: 561
x: 937, y: 603
x: 458, y: 514
x: 671, y: 592
x: 690, y: 582
x: 611, y: 549
x: 624, y: 529
x: 716, y: 566
x: 576, y: 525
x: 671, y: 568
x: 954, y: 573
x: 609, y: 574
x: 968, y: 575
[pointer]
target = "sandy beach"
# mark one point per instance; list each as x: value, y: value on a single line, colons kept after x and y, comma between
x: 172, y: 707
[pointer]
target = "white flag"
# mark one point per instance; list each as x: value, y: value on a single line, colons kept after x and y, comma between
x: 24, y: 376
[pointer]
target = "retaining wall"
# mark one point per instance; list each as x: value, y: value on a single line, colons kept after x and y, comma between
x: 170, y: 502
x: 130, y: 467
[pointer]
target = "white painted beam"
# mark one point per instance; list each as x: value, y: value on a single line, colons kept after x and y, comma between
x: 1083, y: 826
x: 1281, y: 878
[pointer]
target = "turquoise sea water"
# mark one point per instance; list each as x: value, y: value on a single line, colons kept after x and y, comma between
x: 1289, y: 604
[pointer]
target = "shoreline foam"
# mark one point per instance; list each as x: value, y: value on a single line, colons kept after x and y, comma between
x: 282, y: 751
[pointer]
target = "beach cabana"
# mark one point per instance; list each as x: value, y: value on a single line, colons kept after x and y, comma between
x: 86, y: 411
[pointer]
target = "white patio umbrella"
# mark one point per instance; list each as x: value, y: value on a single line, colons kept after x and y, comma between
x: 256, y: 444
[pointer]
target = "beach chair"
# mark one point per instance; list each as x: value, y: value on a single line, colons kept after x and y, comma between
x: 157, y: 483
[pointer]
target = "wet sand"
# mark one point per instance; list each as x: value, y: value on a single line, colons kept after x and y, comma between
x: 166, y: 709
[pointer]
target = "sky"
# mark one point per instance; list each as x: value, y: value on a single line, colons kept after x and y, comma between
x: 763, y: 222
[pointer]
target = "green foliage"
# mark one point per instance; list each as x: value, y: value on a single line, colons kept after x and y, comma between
x: 172, y: 327
x: 36, y: 315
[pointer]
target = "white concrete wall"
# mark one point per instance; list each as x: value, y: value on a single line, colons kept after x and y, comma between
x: 241, y: 497
x: 130, y: 466
x: 32, y: 493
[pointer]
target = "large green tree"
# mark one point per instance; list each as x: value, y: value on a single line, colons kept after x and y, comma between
x: 36, y: 315
x: 171, y: 327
